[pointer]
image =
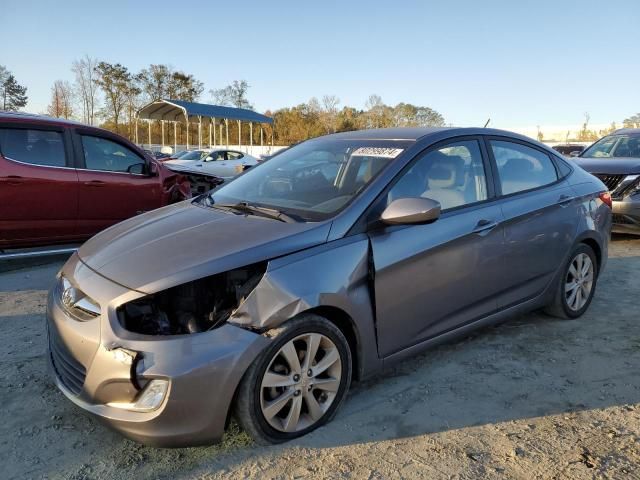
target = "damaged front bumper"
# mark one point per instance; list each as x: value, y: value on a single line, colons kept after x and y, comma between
x: 626, y: 215
x: 105, y: 369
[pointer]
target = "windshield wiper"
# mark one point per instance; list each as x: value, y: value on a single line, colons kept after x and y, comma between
x: 246, y: 207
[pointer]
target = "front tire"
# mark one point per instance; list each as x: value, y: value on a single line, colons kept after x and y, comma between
x: 298, y: 382
x: 577, y: 285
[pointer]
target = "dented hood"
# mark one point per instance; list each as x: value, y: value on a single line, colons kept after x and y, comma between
x: 185, y: 241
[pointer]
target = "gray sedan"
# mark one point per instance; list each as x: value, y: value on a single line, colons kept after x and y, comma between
x: 343, y: 255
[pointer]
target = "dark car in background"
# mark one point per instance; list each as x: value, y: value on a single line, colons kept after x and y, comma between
x: 615, y: 159
x: 63, y: 182
x: 338, y: 257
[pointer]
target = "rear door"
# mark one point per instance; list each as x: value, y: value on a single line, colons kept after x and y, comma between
x: 540, y: 218
x: 433, y: 278
x: 113, y: 182
x: 38, y: 185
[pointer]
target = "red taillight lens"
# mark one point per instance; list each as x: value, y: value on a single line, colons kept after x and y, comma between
x: 606, y: 198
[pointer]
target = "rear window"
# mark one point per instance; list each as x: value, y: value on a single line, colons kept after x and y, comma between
x: 37, y: 147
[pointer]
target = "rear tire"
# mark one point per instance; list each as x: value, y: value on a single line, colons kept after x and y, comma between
x: 288, y: 392
x: 577, y: 285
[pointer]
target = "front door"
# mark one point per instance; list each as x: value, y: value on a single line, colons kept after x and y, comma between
x: 433, y: 278
x: 113, y: 184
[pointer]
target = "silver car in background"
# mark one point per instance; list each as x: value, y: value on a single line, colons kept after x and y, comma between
x: 336, y: 258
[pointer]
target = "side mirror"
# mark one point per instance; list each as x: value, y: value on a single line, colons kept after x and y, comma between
x: 407, y: 211
x: 153, y: 169
x: 575, y: 153
x: 137, y: 168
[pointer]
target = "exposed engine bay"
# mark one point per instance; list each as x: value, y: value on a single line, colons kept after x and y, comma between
x: 202, y: 183
x: 193, y: 307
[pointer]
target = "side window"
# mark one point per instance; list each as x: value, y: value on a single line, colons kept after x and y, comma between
x: 234, y: 155
x: 103, y: 154
x: 453, y: 175
x: 37, y: 147
x: 522, y: 168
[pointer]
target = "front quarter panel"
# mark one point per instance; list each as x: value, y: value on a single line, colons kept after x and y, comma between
x: 334, y: 275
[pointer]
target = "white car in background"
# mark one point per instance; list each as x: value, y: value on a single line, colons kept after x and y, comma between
x: 219, y: 163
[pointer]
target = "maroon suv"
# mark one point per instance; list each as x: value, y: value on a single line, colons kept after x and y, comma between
x: 62, y: 182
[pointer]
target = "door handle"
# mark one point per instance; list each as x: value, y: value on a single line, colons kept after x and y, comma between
x: 14, y: 179
x: 95, y: 183
x: 564, y: 200
x: 484, y: 226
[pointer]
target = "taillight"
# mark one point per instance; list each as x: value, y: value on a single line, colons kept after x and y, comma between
x: 606, y: 198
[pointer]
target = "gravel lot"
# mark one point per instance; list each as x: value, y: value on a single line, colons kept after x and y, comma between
x: 533, y: 398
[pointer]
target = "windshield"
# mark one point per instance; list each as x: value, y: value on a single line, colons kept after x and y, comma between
x: 615, y: 146
x: 313, y: 180
x: 194, y: 155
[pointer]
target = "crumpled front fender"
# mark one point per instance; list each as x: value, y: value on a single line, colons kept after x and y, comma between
x: 334, y: 275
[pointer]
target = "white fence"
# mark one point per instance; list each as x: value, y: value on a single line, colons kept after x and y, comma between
x: 254, y: 151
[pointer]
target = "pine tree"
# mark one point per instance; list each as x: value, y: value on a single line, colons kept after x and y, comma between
x: 14, y: 95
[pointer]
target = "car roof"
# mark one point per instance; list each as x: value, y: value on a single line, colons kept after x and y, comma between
x: 418, y: 133
x: 32, y: 117
x: 631, y: 131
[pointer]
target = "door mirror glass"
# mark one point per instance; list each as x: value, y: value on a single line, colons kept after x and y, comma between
x: 137, y: 168
x: 407, y: 211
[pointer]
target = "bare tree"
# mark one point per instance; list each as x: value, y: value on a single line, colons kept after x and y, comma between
x: 61, y: 104
x: 86, y: 87
x: 234, y: 95
x: 330, y: 112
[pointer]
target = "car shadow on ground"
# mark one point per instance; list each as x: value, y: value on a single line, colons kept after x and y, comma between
x: 533, y: 366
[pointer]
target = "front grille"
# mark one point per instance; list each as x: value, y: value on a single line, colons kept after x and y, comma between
x: 611, y: 181
x: 70, y: 372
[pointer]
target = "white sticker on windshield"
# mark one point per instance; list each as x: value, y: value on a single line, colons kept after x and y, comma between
x: 377, y: 152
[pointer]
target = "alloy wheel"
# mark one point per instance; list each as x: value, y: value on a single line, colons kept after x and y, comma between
x: 579, y: 282
x: 301, y: 382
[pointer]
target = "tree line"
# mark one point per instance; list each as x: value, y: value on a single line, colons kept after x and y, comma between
x: 109, y: 95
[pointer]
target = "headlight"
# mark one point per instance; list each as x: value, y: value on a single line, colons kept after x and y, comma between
x: 76, y: 302
x: 629, y: 186
x: 149, y: 399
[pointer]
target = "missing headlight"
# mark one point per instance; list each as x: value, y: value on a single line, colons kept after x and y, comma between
x: 193, y: 307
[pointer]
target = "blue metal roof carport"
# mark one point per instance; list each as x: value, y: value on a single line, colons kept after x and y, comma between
x: 178, y: 110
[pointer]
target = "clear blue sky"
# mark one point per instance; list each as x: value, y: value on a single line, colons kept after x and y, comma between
x: 521, y: 63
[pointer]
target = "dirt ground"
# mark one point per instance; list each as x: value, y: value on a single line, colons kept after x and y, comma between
x: 533, y: 398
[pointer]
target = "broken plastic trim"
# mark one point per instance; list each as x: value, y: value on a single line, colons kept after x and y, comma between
x: 193, y: 307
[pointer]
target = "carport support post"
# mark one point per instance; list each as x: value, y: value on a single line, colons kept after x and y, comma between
x: 239, y: 133
x: 226, y: 127
x: 210, y: 144
x: 175, y: 137
x: 186, y: 117
x: 162, y: 128
x: 199, y: 132
x: 261, y: 142
x: 251, y: 137
x: 213, y: 120
x: 136, y: 120
x: 149, y: 125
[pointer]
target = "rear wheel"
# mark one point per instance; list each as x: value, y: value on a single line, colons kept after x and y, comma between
x: 578, y: 284
x: 297, y: 383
